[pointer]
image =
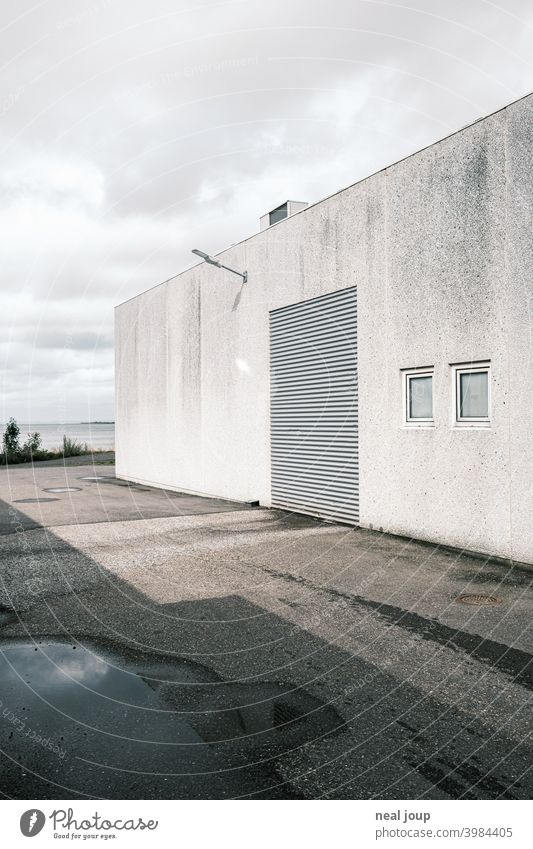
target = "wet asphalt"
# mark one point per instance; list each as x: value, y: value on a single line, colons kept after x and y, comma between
x: 158, y: 645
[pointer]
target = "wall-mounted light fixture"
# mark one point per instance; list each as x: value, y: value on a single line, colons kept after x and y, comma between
x: 211, y: 261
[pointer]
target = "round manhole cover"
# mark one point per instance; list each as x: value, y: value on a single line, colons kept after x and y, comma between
x: 63, y: 489
x: 479, y: 600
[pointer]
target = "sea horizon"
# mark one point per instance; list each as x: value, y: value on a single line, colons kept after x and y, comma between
x: 97, y: 434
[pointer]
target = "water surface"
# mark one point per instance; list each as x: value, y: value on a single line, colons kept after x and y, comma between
x: 100, y: 436
x: 92, y: 720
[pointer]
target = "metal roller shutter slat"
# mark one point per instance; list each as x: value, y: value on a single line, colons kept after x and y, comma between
x: 314, y: 411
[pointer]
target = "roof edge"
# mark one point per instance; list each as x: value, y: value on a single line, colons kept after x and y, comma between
x: 335, y: 193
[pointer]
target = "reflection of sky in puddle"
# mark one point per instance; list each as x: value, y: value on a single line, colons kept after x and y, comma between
x: 140, y: 728
x: 72, y: 672
x: 66, y: 663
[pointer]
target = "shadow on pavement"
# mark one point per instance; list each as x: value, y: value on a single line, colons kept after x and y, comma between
x: 59, y: 496
x: 124, y: 697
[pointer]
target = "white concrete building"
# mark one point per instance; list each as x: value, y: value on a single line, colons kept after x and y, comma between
x: 375, y: 367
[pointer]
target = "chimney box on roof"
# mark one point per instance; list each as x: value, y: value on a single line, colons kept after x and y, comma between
x: 281, y: 212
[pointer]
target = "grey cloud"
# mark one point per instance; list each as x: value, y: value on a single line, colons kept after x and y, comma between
x: 133, y: 131
x: 58, y: 339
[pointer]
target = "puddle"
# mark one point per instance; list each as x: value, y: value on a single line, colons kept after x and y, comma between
x: 109, y: 723
x: 512, y: 576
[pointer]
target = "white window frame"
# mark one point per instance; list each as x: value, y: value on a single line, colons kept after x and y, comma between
x: 459, y: 369
x: 407, y: 375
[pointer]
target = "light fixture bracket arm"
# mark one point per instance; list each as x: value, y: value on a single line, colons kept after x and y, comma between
x: 217, y: 264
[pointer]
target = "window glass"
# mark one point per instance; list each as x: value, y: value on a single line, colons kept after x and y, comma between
x: 279, y: 214
x: 420, y: 397
x: 474, y: 395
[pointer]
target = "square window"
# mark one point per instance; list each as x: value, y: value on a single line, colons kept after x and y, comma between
x: 472, y: 394
x: 418, y: 394
x: 421, y: 397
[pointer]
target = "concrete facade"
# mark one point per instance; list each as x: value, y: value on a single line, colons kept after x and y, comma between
x: 439, y: 248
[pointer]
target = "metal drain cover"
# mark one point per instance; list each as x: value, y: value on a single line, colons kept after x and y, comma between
x: 284, y: 713
x: 479, y: 600
x: 63, y: 489
x: 96, y: 478
x: 34, y: 500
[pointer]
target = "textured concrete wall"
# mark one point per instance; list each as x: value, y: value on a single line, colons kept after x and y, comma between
x: 439, y: 247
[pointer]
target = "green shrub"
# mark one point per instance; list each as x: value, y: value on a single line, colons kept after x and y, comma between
x: 10, y: 439
x: 33, y: 442
x: 32, y: 449
x: 71, y: 448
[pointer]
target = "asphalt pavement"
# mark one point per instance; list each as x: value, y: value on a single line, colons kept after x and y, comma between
x: 150, y: 639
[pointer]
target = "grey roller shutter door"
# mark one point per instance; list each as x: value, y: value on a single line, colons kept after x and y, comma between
x: 314, y: 426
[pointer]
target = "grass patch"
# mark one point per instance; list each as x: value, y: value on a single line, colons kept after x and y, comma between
x: 71, y: 448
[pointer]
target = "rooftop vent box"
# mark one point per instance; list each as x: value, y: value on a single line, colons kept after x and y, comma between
x: 281, y: 212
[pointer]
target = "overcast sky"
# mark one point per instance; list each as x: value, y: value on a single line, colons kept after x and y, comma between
x: 134, y: 130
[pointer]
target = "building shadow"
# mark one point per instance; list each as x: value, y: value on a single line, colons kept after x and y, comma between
x: 108, y: 693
